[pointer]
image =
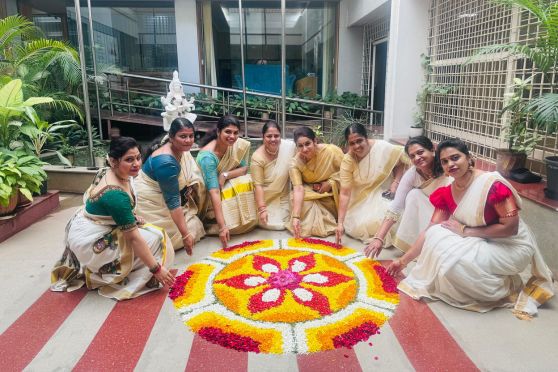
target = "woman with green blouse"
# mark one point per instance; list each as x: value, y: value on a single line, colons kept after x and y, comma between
x: 107, y: 247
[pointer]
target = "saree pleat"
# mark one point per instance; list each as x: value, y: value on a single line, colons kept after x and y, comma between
x: 151, y: 203
x: 480, y: 274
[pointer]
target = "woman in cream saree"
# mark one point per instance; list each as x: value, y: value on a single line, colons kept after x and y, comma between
x: 369, y: 171
x: 170, y: 188
x: 224, y: 164
x: 270, y: 171
x: 472, y: 255
x: 314, y: 175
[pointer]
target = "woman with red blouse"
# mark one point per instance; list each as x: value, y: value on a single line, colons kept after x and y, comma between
x: 476, y: 245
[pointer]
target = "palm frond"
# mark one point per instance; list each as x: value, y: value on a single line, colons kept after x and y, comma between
x: 65, y: 105
x: 544, y: 110
x: 15, y: 27
x: 36, y: 50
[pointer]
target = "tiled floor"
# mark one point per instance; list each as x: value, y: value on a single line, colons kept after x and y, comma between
x: 45, y: 331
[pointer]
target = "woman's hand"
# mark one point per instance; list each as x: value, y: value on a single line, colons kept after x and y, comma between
x: 164, y: 277
x: 454, y: 226
x: 140, y: 220
x: 296, y: 227
x: 325, y: 187
x: 222, y: 179
x: 224, y: 236
x: 339, y: 231
x: 188, y: 241
x: 263, y: 217
x: 373, y: 248
x: 395, y: 267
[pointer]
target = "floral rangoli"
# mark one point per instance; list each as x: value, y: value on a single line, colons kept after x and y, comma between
x: 289, y: 296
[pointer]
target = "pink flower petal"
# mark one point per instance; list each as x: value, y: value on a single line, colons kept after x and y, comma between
x: 243, y: 281
x: 308, y: 261
x: 266, y: 264
x: 332, y: 279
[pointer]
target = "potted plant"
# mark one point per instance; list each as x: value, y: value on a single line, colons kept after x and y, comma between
x: 41, y: 132
x: 22, y: 173
x: 520, y: 138
x: 542, y: 49
x: 100, y: 154
x: 69, y: 152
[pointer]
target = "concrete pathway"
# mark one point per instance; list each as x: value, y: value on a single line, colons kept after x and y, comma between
x: 45, y: 331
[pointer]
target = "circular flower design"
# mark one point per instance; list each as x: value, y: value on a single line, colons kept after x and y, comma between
x: 290, y: 296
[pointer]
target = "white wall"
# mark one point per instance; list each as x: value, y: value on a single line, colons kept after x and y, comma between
x: 358, y: 10
x: 187, y: 41
x: 408, y: 38
x: 349, y: 63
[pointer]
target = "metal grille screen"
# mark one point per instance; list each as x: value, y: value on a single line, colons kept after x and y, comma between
x: 471, y: 111
x: 372, y: 32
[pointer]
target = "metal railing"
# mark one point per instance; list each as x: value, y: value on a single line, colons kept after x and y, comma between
x: 137, y: 94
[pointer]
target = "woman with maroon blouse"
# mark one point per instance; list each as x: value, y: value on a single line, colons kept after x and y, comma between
x: 476, y: 245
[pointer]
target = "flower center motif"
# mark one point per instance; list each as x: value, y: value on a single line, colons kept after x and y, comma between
x: 284, y: 279
x: 285, y: 286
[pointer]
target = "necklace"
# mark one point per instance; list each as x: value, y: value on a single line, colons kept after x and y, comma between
x: 271, y: 153
x: 120, y: 178
x: 467, y: 184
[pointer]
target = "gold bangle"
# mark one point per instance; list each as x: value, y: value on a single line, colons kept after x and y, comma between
x: 187, y: 235
x: 223, y: 229
x: 462, y: 227
x: 297, y: 217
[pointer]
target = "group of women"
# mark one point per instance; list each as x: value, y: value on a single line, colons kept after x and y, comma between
x: 460, y: 224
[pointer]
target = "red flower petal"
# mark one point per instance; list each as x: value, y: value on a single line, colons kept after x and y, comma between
x: 388, y: 283
x: 257, y: 305
x: 333, y: 279
x: 318, y: 302
x: 260, y: 261
x: 308, y: 260
x: 229, y: 340
x: 239, y: 281
x: 355, y: 335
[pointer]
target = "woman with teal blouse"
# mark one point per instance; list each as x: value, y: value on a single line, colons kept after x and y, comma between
x: 170, y: 187
x: 107, y: 247
x: 224, y: 164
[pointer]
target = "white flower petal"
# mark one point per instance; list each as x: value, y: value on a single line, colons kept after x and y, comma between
x: 271, y: 295
x: 303, y: 294
x: 298, y: 266
x: 270, y: 268
x: 254, y: 281
x: 315, y: 278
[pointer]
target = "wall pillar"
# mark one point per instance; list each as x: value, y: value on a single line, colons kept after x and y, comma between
x: 408, y: 39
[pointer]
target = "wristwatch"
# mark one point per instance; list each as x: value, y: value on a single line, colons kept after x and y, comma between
x: 226, y: 175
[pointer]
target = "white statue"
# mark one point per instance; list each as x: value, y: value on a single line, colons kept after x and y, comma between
x: 175, y: 103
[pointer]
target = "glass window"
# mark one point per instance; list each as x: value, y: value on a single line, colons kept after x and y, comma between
x: 310, y: 37
x: 135, y: 39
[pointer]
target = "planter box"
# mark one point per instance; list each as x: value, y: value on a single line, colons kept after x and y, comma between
x: 26, y: 216
x: 75, y: 180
